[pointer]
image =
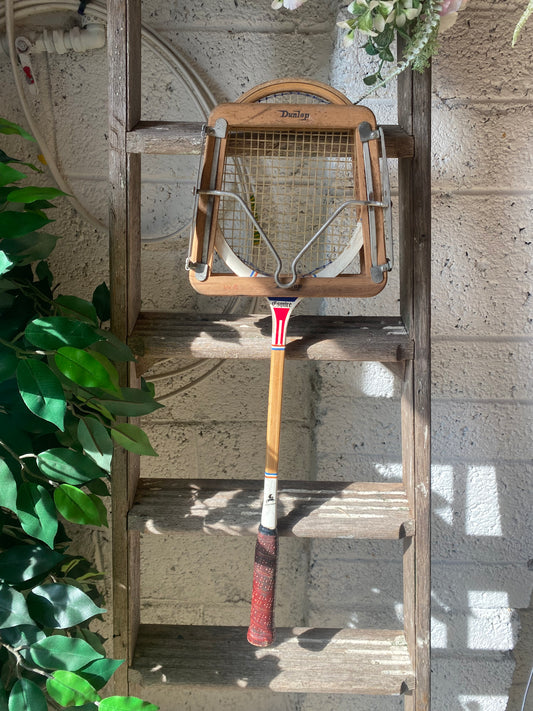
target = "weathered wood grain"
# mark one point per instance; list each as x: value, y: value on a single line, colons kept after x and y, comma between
x: 124, y: 101
x: 414, y: 181
x: 303, y: 660
x: 319, y: 509
x: 158, y: 335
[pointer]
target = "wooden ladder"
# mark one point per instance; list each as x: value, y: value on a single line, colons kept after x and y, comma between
x: 352, y: 661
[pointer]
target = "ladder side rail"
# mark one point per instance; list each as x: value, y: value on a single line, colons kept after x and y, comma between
x: 124, y: 99
x: 414, y: 114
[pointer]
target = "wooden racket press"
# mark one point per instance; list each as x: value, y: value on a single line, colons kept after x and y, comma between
x: 349, y: 661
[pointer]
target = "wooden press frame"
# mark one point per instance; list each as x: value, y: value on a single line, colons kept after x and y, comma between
x: 243, y: 116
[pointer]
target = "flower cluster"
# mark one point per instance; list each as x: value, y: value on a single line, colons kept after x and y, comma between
x: 380, y: 22
x: 371, y: 17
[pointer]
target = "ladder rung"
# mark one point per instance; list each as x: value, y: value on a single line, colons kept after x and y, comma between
x: 185, y: 138
x: 160, y: 335
x: 165, y: 138
x: 305, y: 509
x: 308, y: 660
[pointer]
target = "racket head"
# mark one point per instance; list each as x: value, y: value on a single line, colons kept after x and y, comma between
x: 290, y: 158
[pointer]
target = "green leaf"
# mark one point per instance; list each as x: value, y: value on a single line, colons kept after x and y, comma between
x: 53, y: 332
x: 68, y: 466
x: 4, y: 158
x: 74, y: 307
x: 83, y: 368
x: 132, y: 438
x: 9, y: 175
x: 42, y: 270
x: 134, y: 403
x: 148, y: 387
x: 125, y: 703
x: 100, y: 671
x: 98, y: 487
x: 32, y: 193
x: 91, y: 638
x: 8, y: 127
x: 58, y: 652
x: 371, y: 49
x: 36, y: 512
x: 101, y: 508
x: 5, y: 263
x: 60, y: 606
x: 41, y: 391
x: 384, y: 38
x: 21, y: 563
x: 76, y: 506
x: 386, y: 55
x: 13, y: 608
x: 8, y: 487
x: 8, y: 363
x: 102, y: 301
x: 31, y: 247
x: 41, y: 205
x: 15, y: 224
x: 20, y: 417
x: 96, y: 442
x: 113, y: 347
x: 7, y: 285
x: 23, y: 636
x: 70, y: 689
x: 26, y: 696
x: 371, y: 79
x: 110, y: 368
x: 365, y: 22
x: 18, y: 441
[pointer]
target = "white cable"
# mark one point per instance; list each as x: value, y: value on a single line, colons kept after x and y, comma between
x: 36, y: 132
x: 200, y: 94
x: 202, y: 98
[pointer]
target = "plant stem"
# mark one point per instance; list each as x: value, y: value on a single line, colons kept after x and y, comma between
x: 21, y: 662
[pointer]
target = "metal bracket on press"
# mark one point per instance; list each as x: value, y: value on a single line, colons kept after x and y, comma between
x: 218, y: 131
x: 366, y: 134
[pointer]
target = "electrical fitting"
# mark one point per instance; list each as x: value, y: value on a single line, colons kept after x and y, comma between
x: 58, y: 41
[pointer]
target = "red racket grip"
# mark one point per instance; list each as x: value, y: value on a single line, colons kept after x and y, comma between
x: 261, y: 630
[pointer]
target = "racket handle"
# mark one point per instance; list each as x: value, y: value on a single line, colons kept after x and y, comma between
x: 261, y: 630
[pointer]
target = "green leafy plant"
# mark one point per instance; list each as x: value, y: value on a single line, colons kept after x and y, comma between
x: 61, y: 415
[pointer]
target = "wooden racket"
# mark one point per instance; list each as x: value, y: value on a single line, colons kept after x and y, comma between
x: 289, y: 197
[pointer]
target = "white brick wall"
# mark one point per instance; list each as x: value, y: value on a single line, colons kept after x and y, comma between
x: 343, y: 418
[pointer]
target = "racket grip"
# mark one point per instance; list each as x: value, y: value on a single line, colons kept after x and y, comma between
x: 261, y: 630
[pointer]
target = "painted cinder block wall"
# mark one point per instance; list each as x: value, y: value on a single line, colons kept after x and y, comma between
x: 341, y: 420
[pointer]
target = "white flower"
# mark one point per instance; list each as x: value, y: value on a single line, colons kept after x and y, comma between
x: 448, y: 13
x: 387, y: 5
x: 289, y: 4
x: 413, y: 12
x: 379, y: 23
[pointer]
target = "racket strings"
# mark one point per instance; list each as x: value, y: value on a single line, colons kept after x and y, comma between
x: 293, y: 97
x: 292, y: 182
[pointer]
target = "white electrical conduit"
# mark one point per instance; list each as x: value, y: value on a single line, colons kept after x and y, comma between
x: 203, y: 99
x: 16, y: 10
x: 59, y: 41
